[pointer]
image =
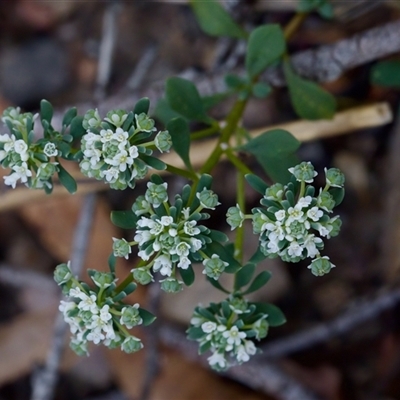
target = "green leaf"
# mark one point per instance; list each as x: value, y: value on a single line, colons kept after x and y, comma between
x: 258, y: 256
x: 187, y: 275
x: 179, y: 130
x: 76, y: 129
x: 326, y: 10
x: 195, y: 333
x: 218, y: 236
x: 266, y: 45
x: 244, y: 275
x: 205, y: 347
x: 386, y: 73
x: 256, y: 183
x: 147, y: 317
x: 46, y: 111
x: 275, y: 151
x: 261, y: 90
x: 183, y: 97
x: 217, y: 285
x: 66, y: 179
x: 275, y: 315
x: 215, y: 20
x: 111, y: 262
x: 309, y: 100
x: 259, y: 281
x: 164, y: 112
x: 337, y: 194
x: 69, y: 116
x: 309, y: 5
x: 124, y: 219
x: 215, y: 99
x: 153, y: 162
x: 235, y: 82
x: 142, y: 106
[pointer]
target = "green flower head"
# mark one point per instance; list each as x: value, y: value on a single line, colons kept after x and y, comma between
x: 208, y: 199
x: 131, y: 344
x: 62, y: 273
x: 234, y: 217
x: 156, y: 194
x: 214, y: 266
x: 304, y: 172
x: 334, y: 177
x: 91, y: 119
x: 116, y: 117
x: 163, y: 141
x: 320, y: 266
x: 121, y: 248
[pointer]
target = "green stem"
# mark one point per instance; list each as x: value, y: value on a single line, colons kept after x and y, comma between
x: 232, y: 122
x: 203, y: 133
x: 182, y: 172
x: 235, y: 160
x: 128, y: 279
x: 241, y: 201
x: 294, y: 24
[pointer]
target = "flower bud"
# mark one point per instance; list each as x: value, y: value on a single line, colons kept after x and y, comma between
x: 214, y: 266
x: 80, y: 348
x: 141, y: 206
x: 121, y: 248
x: 130, y: 316
x: 156, y: 194
x: 261, y: 327
x: 101, y: 279
x: 320, y: 266
x: 234, y: 217
x: 163, y: 141
x: 304, y: 172
x: 144, y: 123
x: 171, y: 285
x: 208, y: 199
x: 335, y: 224
x: 142, y: 275
x: 131, y: 344
x: 334, y: 177
x: 62, y: 273
x: 275, y: 192
x: 116, y: 117
x: 91, y: 119
x: 325, y: 201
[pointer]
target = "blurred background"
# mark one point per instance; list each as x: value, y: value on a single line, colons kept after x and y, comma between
x: 342, y: 338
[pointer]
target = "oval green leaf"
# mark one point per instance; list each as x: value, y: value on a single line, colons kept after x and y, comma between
x: 266, y: 45
x: 215, y: 20
x: 309, y: 100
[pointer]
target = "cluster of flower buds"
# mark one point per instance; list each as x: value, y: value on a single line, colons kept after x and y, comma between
x: 170, y: 238
x: 118, y: 149
x: 97, y: 315
x: 228, y: 329
x: 294, y: 218
x: 31, y: 163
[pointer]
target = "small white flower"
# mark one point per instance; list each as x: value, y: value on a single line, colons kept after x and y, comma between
x: 280, y: 215
x: 88, y: 303
x: 11, y: 180
x: 50, y: 149
x: 166, y: 221
x: 208, y: 326
x: 195, y: 244
x: 241, y: 355
x: 314, y: 213
x: 184, y: 263
x: 295, y: 250
x: 111, y: 174
x: 304, y: 202
x: 163, y: 264
x: 234, y: 336
x: 121, y: 135
x: 182, y: 249
x: 105, y: 313
x: 189, y: 227
x: 133, y: 152
x: 95, y: 336
x: 122, y: 160
x: 217, y: 359
x: 310, y: 244
x: 22, y: 171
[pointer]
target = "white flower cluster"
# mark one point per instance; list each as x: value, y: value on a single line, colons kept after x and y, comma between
x: 169, y: 237
x: 29, y: 162
x: 118, y: 150
x: 289, y: 228
x: 228, y: 329
x: 94, y: 316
